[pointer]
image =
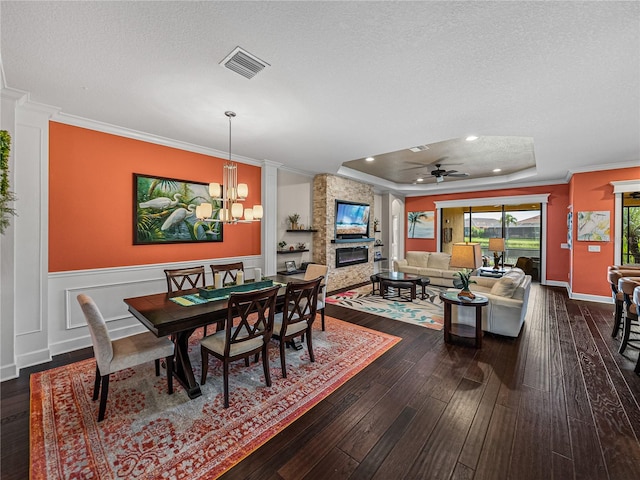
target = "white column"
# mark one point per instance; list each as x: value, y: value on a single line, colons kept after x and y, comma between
x: 270, y: 219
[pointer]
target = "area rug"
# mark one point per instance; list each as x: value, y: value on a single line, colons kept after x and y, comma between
x: 426, y: 313
x: 149, y: 434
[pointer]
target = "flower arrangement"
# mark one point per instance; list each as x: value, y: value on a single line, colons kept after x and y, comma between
x: 293, y: 218
x: 463, y: 281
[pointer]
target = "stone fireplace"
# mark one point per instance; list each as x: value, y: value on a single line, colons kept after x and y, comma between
x: 326, y: 190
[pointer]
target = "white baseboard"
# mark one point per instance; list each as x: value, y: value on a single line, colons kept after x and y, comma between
x: 8, y: 372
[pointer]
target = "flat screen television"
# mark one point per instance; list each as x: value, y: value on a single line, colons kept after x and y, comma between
x: 352, y: 219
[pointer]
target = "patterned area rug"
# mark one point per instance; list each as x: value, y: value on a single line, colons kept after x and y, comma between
x: 148, y: 433
x: 426, y: 313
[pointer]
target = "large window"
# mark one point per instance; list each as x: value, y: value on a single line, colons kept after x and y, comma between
x: 630, y: 228
x: 519, y: 225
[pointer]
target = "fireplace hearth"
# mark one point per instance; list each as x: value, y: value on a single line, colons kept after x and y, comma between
x: 351, y: 256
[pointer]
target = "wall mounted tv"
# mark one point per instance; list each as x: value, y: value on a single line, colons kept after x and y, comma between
x: 352, y: 219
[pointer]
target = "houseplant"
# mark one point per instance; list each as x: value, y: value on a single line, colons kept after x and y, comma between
x: 6, y: 195
x: 282, y: 244
x: 293, y: 218
x: 462, y: 282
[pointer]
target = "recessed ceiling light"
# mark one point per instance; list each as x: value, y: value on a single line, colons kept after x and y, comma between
x: 471, y: 138
x: 420, y: 179
x: 496, y: 170
x: 369, y: 159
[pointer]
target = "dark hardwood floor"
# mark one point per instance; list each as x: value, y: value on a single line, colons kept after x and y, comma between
x: 559, y: 402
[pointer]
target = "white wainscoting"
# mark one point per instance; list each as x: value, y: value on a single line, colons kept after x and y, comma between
x: 108, y: 287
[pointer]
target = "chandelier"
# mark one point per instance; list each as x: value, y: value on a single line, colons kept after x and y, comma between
x: 230, y: 194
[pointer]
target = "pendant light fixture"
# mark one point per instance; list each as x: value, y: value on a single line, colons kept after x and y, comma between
x: 230, y: 194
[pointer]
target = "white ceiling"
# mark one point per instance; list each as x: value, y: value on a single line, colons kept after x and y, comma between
x: 346, y: 79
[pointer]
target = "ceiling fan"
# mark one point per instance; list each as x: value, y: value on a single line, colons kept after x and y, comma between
x: 440, y: 173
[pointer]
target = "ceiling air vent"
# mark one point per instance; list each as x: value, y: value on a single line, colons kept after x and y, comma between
x: 242, y: 62
x: 419, y: 148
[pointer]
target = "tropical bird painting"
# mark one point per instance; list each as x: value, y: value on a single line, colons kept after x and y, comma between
x: 164, y: 211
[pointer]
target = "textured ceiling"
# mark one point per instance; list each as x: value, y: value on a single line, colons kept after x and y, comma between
x: 347, y: 79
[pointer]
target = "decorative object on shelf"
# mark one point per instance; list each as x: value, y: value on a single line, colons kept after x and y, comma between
x: 301, y: 226
x: 301, y: 246
x: 163, y: 212
x: 228, y: 195
x: 292, y: 248
x: 467, y: 256
x: 282, y: 244
x: 6, y: 195
x: 290, y: 266
x: 377, y: 255
x: 293, y: 219
x: 376, y: 225
x: 496, y: 245
x: 378, y: 243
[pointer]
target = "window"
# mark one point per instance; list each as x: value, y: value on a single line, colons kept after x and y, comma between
x: 630, y: 227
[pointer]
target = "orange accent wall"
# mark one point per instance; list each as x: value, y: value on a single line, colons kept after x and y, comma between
x: 592, y: 191
x: 91, y: 195
x: 558, y: 259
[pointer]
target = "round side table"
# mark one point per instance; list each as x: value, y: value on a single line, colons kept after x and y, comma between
x: 460, y: 329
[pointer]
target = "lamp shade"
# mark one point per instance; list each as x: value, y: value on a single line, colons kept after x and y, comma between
x: 466, y: 255
x: 248, y: 214
x: 496, y: 244
x: 215, y: 191
x: 243, y: 190
x: 257, y: 212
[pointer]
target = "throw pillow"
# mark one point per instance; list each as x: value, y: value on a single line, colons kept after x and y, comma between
x: 507, y: 285
x: 439, y: 260
x: 418, y: 259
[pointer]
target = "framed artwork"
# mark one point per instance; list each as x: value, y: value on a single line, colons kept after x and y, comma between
x: 594, y: 226
x: 421, y: 225
x: 569, y: 229
x: 290, y: 266
x: 164, y: 211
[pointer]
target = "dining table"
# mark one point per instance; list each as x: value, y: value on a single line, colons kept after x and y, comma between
x: 165, y: 317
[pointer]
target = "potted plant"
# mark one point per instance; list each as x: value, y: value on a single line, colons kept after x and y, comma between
x: 293, y: 218
x: 462, y: 282
x: 376, y: 225
x: 282, y: 244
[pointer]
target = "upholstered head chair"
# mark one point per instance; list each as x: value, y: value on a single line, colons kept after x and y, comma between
x: 315, y: 270
x: 627, y: 286
x: 112, y: 356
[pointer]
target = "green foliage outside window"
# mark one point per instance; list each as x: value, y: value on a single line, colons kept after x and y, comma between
x: 6, y: 195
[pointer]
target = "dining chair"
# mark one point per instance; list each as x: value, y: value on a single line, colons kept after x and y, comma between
x: 247, y: 332
x: 297, y: 316
x: 115, y: 355
x: 228, y: 271
x: 636, y: 300
x: 615, y: 273
x: 315, y: 270
x: 181, y: 279
x: 627, y: 286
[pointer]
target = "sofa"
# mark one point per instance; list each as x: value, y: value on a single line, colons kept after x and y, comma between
x: 434, y: 265
x: 508, y: 299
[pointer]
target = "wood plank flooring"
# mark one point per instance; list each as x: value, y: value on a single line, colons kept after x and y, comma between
x: 558, y: 402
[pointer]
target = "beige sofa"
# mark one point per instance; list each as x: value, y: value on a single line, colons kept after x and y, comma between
x: 508, y: 298
x: 434, y: 265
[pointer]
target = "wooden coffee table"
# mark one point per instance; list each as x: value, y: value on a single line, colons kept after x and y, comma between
x: 460, y: 329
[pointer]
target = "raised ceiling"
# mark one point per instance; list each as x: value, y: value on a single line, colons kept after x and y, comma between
x: 347, y: 80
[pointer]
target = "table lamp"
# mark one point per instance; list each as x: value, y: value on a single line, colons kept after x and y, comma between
x: 496, y: 245
x: 467, y: 256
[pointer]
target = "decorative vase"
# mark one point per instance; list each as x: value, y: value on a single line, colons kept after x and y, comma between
x: 466, y: 293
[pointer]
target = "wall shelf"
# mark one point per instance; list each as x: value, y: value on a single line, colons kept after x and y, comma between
x: 308, y: 230
x: 297, y: 250
x: 352, y: 240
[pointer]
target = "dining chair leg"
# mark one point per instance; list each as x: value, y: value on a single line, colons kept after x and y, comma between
x: 283, y: 363
x: 96, y: 384
x: 103, y: 397
x: 157, y: 362
x: 225, y: 379
x: 205, y: 366
x: 310, y: 346
x: 617, y: 319
x: 637, y: 369
x: 170, y: 374
x: 322, y: 316
x: 626, y: 331
x: 265, y: 365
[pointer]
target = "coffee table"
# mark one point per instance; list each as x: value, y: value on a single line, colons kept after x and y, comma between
x: 400, y: 281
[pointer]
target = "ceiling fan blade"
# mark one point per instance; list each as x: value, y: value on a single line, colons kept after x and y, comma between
x: 457, y: 174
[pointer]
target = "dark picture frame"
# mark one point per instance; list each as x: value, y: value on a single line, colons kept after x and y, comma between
x: 164, y: 211
x: 290, y: 266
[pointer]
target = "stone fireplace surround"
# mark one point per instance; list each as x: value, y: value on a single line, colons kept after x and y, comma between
x: 326, y: 190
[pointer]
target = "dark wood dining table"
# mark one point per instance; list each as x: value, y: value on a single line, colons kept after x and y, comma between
x: 164, y: 318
